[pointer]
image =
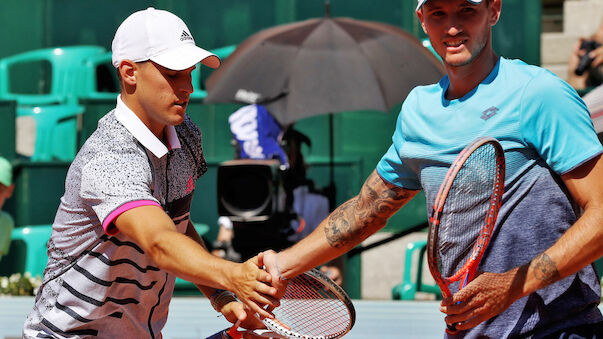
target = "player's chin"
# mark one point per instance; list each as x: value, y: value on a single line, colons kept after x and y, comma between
x: 177, y: 116
x: 458, y: 59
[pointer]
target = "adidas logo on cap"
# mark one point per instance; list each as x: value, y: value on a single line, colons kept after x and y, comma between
x: 185, y: 36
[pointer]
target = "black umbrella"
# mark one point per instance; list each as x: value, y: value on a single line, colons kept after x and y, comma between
x: 320, y: 66
x: 323, y: 66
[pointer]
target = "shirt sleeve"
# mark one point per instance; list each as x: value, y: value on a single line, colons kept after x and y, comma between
x: 556, y: 122
x: 115, y: 183
x: 391, y: 167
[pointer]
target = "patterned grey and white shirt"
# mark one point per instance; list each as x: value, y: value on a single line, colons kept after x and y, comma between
x: 98, y: 282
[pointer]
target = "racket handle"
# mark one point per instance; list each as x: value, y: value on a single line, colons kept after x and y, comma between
x: 233, y: 332
x: 451, y: 329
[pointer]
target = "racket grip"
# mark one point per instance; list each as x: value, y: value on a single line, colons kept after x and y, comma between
x: 451, y: 329
x: 233, y: 333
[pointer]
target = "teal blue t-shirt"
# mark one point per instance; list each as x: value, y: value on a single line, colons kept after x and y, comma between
x: 546, y: 131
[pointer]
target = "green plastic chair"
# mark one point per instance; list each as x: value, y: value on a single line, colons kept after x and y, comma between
x: 67, y: 74
x: 408, y: 288
x: 55, y: 130
x: 28, y: 250
x: 95, y: 67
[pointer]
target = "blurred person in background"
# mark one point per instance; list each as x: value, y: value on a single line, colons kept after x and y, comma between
x: 585, y: 66
x: 6, y: 191
x: 585, y: 69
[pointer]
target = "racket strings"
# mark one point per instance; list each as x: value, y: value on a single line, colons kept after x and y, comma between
x: 308, y: 307
x: 469, y: 202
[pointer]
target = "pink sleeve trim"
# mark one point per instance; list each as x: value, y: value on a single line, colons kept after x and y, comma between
x: 108, y: 225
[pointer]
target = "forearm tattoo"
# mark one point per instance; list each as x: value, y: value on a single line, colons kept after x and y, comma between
x: 366, y: 213
x: 545, y: 269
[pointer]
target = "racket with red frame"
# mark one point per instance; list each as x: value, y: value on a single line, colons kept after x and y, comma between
x: 313, y: 307
x: 464, y: 214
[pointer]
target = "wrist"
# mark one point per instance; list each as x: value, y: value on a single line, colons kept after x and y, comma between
x: 220, y: 298
x: 540, y: 272
x: 278, y: 269
x: 225, y: 222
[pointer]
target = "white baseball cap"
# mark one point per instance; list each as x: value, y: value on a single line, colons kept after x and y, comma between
x: 421, y: 2
x: 161, y: 37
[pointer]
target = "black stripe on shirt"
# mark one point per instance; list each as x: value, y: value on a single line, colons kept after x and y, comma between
x: 91, y: 332
x: 154, y: 306
x: 122, y: 243
x: 120, y: 280
x: 176, y: 209
x: 78, y: 317
x: 72, y: 313
x: 181, y: 219
x: 95, y: 302
x: 116, y: 315
x: 106, y: 260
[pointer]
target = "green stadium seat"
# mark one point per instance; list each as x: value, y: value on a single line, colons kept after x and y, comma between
x: 51, y: 98
x: 100, y: 77
x: 28, y: 251
x: 66, y: 74
x: 408, y: 288
x: 55, y: 130
x: 8, y: 115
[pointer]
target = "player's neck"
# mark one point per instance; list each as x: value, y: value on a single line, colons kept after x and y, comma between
x: 157, y: 128
x: 464, y: 79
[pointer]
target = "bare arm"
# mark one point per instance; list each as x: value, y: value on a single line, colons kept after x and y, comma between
x: 583, y: 242
x: 153, y: 230
x: 346, y: 227
x: 232, y: 311
x: 491, y: 293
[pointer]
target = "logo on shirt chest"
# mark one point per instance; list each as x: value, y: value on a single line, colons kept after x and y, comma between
x: 489, y: 113
x: 190, y: 186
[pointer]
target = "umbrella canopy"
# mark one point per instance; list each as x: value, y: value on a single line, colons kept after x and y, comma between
x: 324, y: 65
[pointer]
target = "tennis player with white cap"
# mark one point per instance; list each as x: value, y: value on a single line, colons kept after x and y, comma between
x: 122, y: 233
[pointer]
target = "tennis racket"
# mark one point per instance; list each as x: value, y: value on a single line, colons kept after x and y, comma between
x: 464, y: 214
x: 313, y: 307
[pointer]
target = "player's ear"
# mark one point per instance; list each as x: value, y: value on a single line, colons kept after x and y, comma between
x: 494, y: 7
x: 127, y: 70
x: 420, y: 15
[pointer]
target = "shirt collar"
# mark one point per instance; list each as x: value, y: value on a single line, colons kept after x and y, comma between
x: 142, y: 133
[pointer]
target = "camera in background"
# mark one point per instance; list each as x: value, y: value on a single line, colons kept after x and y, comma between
x: 585, y: 60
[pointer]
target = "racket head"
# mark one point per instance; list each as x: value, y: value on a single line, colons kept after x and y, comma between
x: 313, y: 307
x: 465, y: 211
